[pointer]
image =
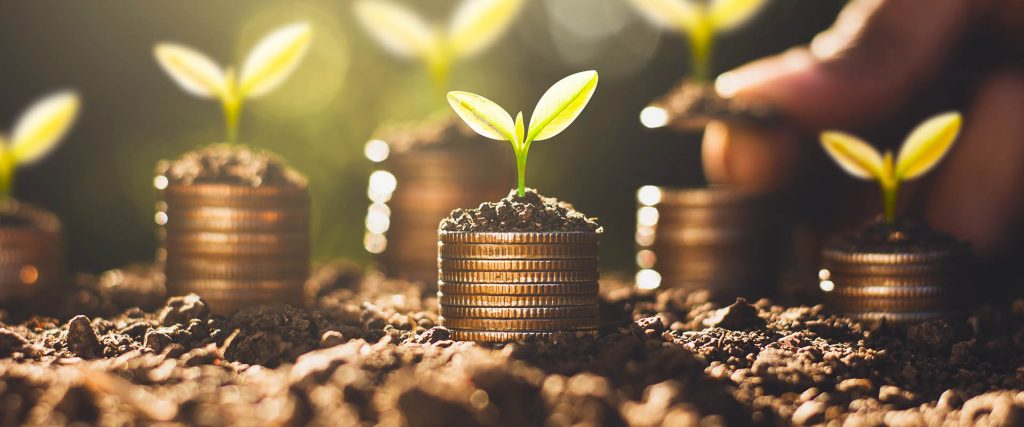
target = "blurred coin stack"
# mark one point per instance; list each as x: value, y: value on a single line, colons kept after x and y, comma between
x: 902, y: 288
x: 31, y: 252
x: 498, y: 287
x: 235, y: 245
x: 714, y: 239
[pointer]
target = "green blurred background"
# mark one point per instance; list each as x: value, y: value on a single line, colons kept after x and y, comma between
x: 100, y: 181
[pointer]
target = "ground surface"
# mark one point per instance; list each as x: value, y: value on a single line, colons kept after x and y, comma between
x: 370, y: 353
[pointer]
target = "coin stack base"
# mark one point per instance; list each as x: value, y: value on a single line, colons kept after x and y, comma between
x: 500, y: 287
x: 31, y: 261
x: 236, y: 246
x: 897, y: 288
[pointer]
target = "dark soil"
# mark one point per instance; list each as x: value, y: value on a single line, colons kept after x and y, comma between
x: 691, y: 105
x: 441, y: 132
x: 230, y: 164
x: 901, y: 236
x: 370, y: 352
x: 530, y: 213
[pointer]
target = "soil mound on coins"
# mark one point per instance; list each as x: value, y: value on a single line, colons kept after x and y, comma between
x: 529, y: 213
x: 231, y: 164
x: 901, y: 236
x: 435, y: 133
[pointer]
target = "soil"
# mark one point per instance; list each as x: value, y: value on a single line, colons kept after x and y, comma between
x: 691, y: 105
x: 902, y: 236
x: 440, y: 132
x: 370, y: 352
x: 530, y: 213
x: 15, y: 214
x: 230, y: 164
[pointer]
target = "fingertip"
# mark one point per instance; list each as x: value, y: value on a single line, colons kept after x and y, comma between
x: 754, y: 159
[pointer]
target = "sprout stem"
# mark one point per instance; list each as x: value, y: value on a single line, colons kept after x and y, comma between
x: 232, y: 109
x: 7, y: 166
x: 889, y: 191
x: 521, y: 171
x: 701, y: 39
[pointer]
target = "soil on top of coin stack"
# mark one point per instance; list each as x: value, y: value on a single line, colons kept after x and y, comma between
x: 530, y: 213
x: 441, y: 132
x: 903, y: 235
x: 690, y: 105
x: 231, y: 164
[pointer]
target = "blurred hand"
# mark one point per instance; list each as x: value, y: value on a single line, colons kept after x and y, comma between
x: 866, y: 67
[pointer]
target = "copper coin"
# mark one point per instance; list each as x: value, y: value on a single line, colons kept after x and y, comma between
x: 460, y: 300
x: 568, y: 324
x: 517, y: 251
x: 507, y: 336
x: 899, y: 318
x: 519, y: 276
x: 235, y: 219
x: 228, y: 195
x: 713, y: 196
x: 584, y: 311
x: 203, y: 285
x: 547, y: 238
x: 201, y: 267
x: 519, y: 265
x: 517, y: 289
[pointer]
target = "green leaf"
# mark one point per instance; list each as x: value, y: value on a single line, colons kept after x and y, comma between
x: 483, y: 115
x: 675, y: 15
x: 478, y: 23
x: 43, y: 125
x: 193, y: 71
x: 561, y: 104
x: 855, y: 156
x: 398, y: 29
x: 728, y: 14
x: 927, y: 145
x: 520, y: 129
x: 274, y: 58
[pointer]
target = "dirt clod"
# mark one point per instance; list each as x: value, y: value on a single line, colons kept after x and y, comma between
x: 82, y: 339
x: 531, y: 213
x: 230, y: 164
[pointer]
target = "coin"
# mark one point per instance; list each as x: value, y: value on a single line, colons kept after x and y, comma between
x: 518, y: 276
x: 892, y: 304
x: 585, y: 311
x: 899, y: 319
x: 555, y: 237
x: 236, y: 219
x: 460, y: 300
x: 201, y: 267
x: 202, y: 285
x: 931, y: 258
x: 518, y: 265
x: 714, y: 196
x: 517, y: 251
x: 518, y: 289
x: 520, y: 324
x: 506, y: 336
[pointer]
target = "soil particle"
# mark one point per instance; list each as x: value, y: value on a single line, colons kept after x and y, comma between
x: 180, y: 310
x: 434, y: 335
x: 901, y: 236
x: 809, y: 413
x: 738, y: 316
x: 82, y: 339
x: 11, y: 342
x: 230, y: 164
x: 529, y: 213
x: 648, y: 327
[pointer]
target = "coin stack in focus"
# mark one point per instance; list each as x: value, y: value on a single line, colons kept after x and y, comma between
x: 901, y: 288
x: 31, y: 252
x: 714, y: 239
x: 498, y: 287
x: 235, y: 245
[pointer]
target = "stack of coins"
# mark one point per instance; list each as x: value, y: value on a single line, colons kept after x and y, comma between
x: 712, y: 239
x: 235, y: 245
x: 429, y: 185
x: 499, y: 287
x: 901, y: 288
x: 31, y: 252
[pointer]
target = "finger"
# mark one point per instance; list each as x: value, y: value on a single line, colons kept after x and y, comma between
x: 861, y: 68
x: 753, y: 159
x: 976, y: 195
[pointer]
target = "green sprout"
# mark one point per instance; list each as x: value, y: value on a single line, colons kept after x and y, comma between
x: 474, y: 25
x: 267, y: 66
x: 36, y: 133
x: 555, y: 111
x: 701, y: 20
x: 921, y: 151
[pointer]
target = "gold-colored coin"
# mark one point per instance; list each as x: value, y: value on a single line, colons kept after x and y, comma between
x: 521, y: 324
x: 238, y: 244
x: 518, y: 265
x: 841, y: 259
x: 201, y: 267
x: 235, y: 219
x: 519, y: 276
x: 459, y: 300
x: 547, y: 289
x: 544, y: 238
x: 228, y: 195
x: 203, y: 285
x: 891, y: 304
x: 900, y: 318
x: 705, y: 197
x: 583, y: 311
x: 517, y: 251
x: 507, y: 336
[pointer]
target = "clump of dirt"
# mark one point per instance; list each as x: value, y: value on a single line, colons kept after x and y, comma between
x: 901, y: 236
x: 691, y: 105
x: 231, y: 164
x: 528, y: 213
x: 444, y: 131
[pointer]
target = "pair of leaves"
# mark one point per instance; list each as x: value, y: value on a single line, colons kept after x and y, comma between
x: 41, y: 127
x: 921, y: 151
x: 267, y: 66
x: 686, y: 15
x: 555, y: 111
x: 474, y: 26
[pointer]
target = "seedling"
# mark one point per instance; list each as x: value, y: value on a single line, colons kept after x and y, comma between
x: 555, y: 111
x: 268, y: 64
x: 701, y: 20
x: 36, y: 133
x: 921, y: 151
x: 474, y: 26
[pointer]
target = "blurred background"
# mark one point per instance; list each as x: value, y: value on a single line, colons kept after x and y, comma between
x: 100, y: 181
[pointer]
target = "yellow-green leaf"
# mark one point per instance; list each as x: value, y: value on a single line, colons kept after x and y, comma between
x: 483, y: 115
x: 478, y: 23
x: 520, y: 129
x: 561, y: 104
x: 927, y: 144
x: 675, y: 15
x: 728, y: 14
x: 274, y: 58
x: 853, y: 155
x: 398, y: 29
x: 192, y: 70
x: 42, y: 126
